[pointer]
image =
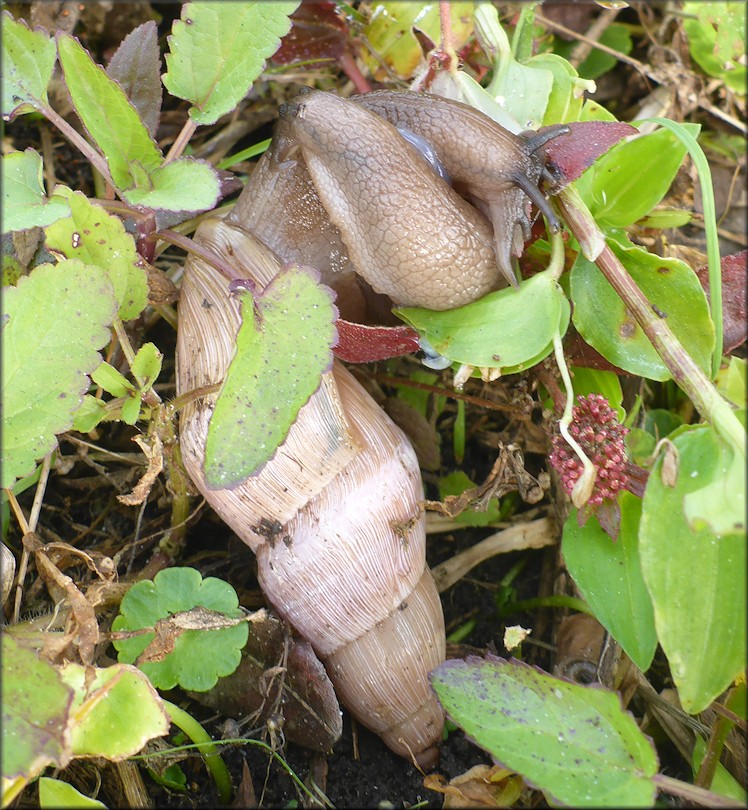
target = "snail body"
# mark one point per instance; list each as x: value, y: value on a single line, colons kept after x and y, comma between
x: 335, y: 516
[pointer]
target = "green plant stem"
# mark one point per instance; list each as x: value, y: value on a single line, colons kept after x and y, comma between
x: 93, y: 157
x: 213, y: 761
x: 692, y: 793
x: 554, y: 601
x: 684, y: 370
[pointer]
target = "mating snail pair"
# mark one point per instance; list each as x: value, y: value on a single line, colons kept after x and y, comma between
x: 346, y: 188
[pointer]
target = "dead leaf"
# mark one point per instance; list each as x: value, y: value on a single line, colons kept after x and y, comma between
x: 154, y: 453
x: 481, y: 786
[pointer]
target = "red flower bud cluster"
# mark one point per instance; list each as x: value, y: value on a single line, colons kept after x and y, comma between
x: 596, y: 427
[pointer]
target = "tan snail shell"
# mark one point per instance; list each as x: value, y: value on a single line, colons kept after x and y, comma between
x: 335, y: 517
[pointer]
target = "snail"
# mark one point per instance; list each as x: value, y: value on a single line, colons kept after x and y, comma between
x: 335, y: 517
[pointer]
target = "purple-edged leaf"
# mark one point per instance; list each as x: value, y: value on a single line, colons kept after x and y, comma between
x: 734, y: 274
x: 575, y: 743
x: 572, y: 154
x: 136, y: 66
x: 365, y: 344
x: 282, y: 349
x: 28, y: 63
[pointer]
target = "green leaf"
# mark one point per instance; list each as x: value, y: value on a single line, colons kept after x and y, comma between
x: 199, y: 657
x: 182, y: 185
x: 509, y: 329
x: 282, y: 349
x: 115, y: 711
x: 136, y: 67
x: 604, y: 321
x: 716, y: 39
x: 732, y: 382
x: 96, y: 237
x: 112, y: 381
x: 56, y: 793
x: 595, y: 381
x: 610, y: 579
x: 147, y: 364
x: 724, y: 782
x: 24, y: 202
x: 575, y: 743
x: 109, y: 117
x: 90, y: 413
x: 131, y: 409
x: 627, y: 182
x: 53, y: 323
x: 567, y: 93
x: 696, y: 578
x: 35, y: 704
x: 218, y: 49
x: 615, y: 36
x: 28, y: 61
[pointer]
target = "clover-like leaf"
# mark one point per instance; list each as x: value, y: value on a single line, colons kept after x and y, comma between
x: 283, y: 346
x: 98, y: 238
x: 575, y: 743
x: 54, y: 321
x: 28, y: 61
x: 24, y: 202
x: 218, y: 49
x: 115, y: 711
x: 197, y: 657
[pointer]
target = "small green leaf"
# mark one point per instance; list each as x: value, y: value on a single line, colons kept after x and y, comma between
x: 24, y: 202
x: 96, y: 237
x: 182, y: 185
x: 609, y: 577
x: 282, y: 349
x: 567, y: 94
x: 28, y: 61
x: 109, y: 117
x: 54, y: 322
x: 218, y: 49
x: 697, y: 579
x: 575, y: 743
x: 716, y: 39
x: 604, y: 321
x: 732, y: 382
x: 147, y: 364
x: 628, y: 181
x: 35, y: 704
x: 56, y: 793
x: 131, y: 409
x: 90, y: 413
x: 199, y: 657
x: 616, y: 36
x: 115, y: 711
x: 509, y: 329
x: 112, y: 381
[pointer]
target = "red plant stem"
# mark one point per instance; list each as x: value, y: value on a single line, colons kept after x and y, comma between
x: 692, y: 793
x: 351, y: 70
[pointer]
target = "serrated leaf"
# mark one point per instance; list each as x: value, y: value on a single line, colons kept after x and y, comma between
x: 575, y: 743
x: 96, y: 237
x: 24, y: 202
x: 136, y: 67
x: 112, y: 381
x: 28, y: 62
x: 54, y: 322
x: 505, y: 329
x: 115, y: 711
x: 35, y: 705
x: 610, y: 579
x: 110, y: 119
x: 283, y: 346
x: 697, y: 579
x: 199, y: 657
x: 56, y: 793
x: 604, y: 321
x: 182, y: 185
x: 218, y: 49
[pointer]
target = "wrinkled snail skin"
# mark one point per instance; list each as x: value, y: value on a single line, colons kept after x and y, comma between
x: 407, y: 232
x: 334, y: 517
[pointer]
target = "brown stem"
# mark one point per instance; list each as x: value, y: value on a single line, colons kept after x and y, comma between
x: 179, y: 145
x: 692, y: 793
x: 190, y: 246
